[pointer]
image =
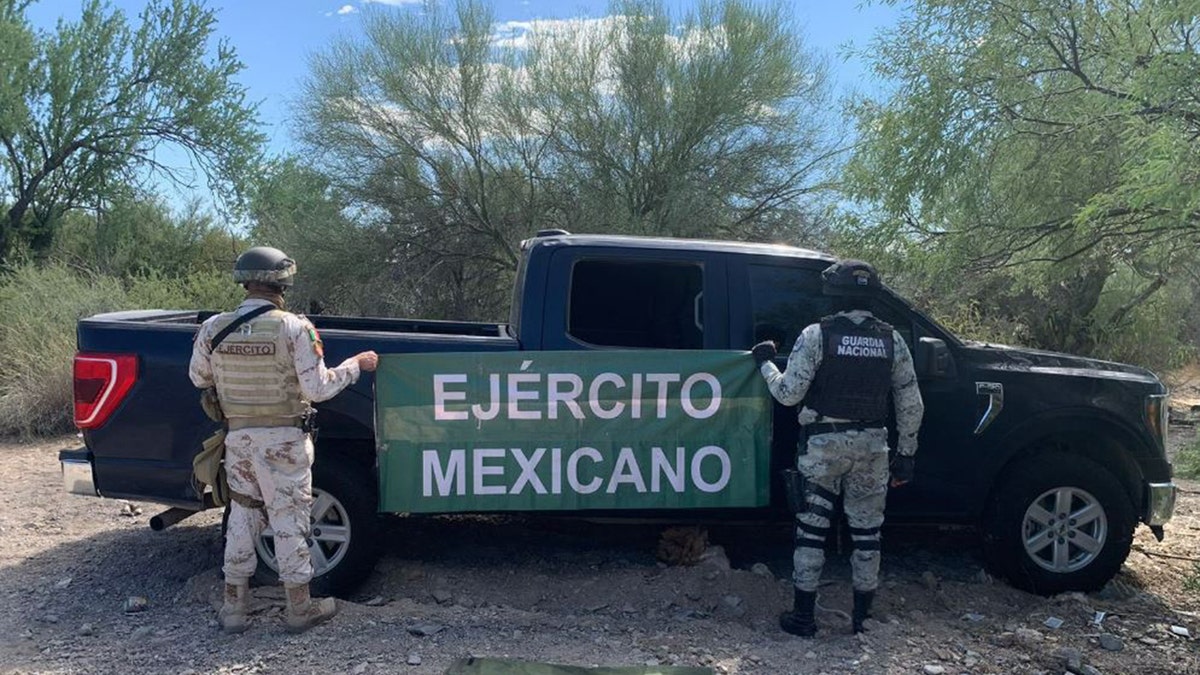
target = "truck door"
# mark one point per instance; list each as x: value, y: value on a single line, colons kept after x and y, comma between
x: 947, y: 451
x: 774, y: 299
x: 781, y: 297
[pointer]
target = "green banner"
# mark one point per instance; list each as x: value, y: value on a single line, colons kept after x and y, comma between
x: 527, y: 431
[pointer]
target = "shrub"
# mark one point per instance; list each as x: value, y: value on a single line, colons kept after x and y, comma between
x: 1191, y: 582
x: 1187, y: 460
x: 41, y: 305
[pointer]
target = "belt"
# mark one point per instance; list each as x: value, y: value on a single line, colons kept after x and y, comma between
x: 236, y: 423
x: 831, y: 427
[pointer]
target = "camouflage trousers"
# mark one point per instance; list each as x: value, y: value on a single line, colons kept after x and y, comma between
x: 854, y: 465
x: 271, y: 465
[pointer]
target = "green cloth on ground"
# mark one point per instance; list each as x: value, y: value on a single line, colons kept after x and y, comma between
x: 474, y: 666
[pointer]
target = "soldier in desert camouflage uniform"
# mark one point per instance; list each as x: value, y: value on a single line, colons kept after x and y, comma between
x: 266, y: 372
x: 843, y: 369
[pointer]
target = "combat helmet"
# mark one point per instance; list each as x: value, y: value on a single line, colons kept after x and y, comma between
x: 265, y: 265
x: 850, y: 277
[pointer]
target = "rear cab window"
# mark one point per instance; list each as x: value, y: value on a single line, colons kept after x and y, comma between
x: 637, y: 304
x: 636, y: 298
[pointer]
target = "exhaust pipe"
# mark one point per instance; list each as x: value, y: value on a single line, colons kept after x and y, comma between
x: 169, y: 517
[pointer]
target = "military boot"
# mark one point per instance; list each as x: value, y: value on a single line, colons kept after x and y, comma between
x: 303, y: 612
x: 236, y: 606
x: 862, y: 609
x: 800, y: 621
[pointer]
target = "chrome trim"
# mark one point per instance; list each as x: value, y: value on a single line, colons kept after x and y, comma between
x: 995, y: 393
x: 1162, y: 503
x: 77, y: 477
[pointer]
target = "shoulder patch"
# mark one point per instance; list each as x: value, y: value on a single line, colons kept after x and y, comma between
x: 315, y: 338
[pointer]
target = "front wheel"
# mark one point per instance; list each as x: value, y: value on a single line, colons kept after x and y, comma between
x: 1058, y: 523
x: 343, y: 537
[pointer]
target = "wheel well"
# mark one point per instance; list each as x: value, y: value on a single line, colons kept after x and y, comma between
x: 1103, y: 451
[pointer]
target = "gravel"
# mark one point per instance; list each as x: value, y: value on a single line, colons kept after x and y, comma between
x: 553, y: 590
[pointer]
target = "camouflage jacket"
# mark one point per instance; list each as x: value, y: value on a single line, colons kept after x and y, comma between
x: 790, y: 387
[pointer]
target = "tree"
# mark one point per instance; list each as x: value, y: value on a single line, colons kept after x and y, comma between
x: 342, y: 267
x: 138, y: 235
x: 460, y: 139
x: 1039, y: 156
x: 708, y: 129
x: 86, y: 107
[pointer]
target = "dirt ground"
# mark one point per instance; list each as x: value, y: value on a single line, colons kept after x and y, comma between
x: 563, y: 592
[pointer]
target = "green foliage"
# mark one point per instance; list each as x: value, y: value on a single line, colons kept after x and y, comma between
x: 84, y: 108
x: 136, y: 255
x: 1187, y: 461
x: 41, y: 305
x: 140, y: 235
x: 342, y: 267
x: 445, y: 144
x: 1192, y: 581
x: 1032, y: 163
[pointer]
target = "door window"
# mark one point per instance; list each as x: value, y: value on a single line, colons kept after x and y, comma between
x: 784, y: 300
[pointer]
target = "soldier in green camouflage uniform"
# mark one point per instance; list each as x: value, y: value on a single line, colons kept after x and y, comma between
x: 843, y: 369
x: 266, y: 372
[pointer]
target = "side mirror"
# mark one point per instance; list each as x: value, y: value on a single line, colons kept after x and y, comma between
x: 933, y: 359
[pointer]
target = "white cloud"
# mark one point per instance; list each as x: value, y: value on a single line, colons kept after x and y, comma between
x: 517, y: 34
x: 347, y: 9
x: 395, y: 3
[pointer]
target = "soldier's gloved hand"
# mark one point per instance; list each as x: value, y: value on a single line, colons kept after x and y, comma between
x: 763, y: 352
x: 902, y: 469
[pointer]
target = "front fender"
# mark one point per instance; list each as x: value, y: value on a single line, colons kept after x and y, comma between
x: 1113, y: 443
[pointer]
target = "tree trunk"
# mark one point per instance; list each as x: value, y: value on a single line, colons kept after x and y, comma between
x: 10, y: 226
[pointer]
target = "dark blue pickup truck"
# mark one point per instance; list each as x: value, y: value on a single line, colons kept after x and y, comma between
x: 1056, y: 458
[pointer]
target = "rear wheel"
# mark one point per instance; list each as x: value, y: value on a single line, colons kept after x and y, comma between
x: 1059, y: 523
x: 343, y: 536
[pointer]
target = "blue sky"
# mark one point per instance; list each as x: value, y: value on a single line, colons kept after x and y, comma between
x: 273, y: 38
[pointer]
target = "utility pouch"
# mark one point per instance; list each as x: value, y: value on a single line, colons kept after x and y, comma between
x: 793, y: 485
x: 208, y: 467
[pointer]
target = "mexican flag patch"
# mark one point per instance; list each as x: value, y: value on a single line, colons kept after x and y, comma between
x: 316, y: 341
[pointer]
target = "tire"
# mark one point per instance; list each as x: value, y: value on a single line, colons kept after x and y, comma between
x: 343, y: 542
x: 1027, y: 542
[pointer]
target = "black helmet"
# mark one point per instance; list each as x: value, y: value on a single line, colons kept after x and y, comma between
x: 849, y: 277
x: 266, y: 265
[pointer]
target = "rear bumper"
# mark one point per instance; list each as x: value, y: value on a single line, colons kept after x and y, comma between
x: 1161, y: 503
x: 77, y: 472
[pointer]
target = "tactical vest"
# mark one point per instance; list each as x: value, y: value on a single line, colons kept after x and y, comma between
x: 254, y: 371
x: 855, y: 375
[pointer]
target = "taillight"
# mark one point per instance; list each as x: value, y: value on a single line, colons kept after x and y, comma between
x: 101, y: 382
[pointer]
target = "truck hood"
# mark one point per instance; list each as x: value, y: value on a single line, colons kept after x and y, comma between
x: 1005, y: 357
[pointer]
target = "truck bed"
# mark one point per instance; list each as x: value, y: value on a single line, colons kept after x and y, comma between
x: 145, y: 450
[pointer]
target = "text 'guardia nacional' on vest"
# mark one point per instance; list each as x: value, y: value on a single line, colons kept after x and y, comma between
x: 606, y: 396
x: 862, y: 346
